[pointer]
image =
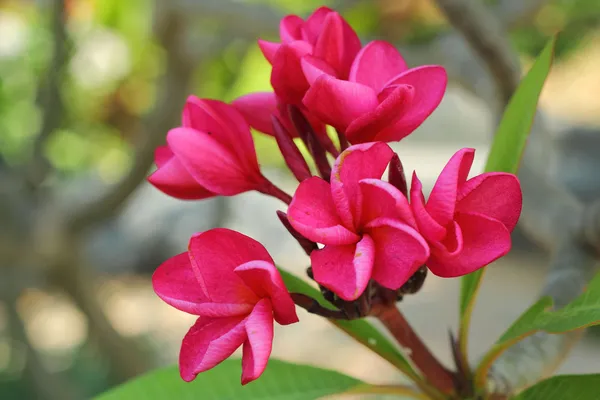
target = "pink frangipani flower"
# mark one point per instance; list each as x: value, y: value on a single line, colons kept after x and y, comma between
x: 325, y: 35
x: 466, y: 222
x: 211, y: 154
x: 230, y: 281
x: 365, y: 224
x: 381, y: 100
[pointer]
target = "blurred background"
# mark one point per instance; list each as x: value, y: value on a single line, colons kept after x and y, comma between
x: 88, y: 89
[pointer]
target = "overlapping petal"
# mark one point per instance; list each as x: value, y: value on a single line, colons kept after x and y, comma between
x: 376, y: 64
x: 257, y: 348
x: 287, y: 78
x: 337, y: 44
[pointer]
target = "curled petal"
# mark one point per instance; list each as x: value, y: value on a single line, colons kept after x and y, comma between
x: 338, y: 102
x: 345, y: 270
x: 287, y: 77
x: 209, y: 342
x: 376, y: 64
x: 290, y: 28
x: 173, y: 179
x: 257, y: 109
x: 264, y: 279
x: 269, y: 49
x: 399, y: 251
x: 314, y: 24
x: 314, y: 67
x: 211, y: 164
x: 258, y: 346
x: 337, y: 44
x: 429, y: 82
x: 484, y: 240
x: 494, y: 194
x: 175, y: 283
x: 442, y: 200
x: 215, y: 254
x: 382, y: 200
x: 357, y: 162
x: 428, y: 226
x: 313, y: 214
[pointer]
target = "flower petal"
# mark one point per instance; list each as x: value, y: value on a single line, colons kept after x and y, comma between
x: 337, y: 102
x: 175, y: 283
x: 264, y: 279
x: 382, y: 200
x: 211, y: 164
x: 376, y: 64
x: 337, y: 44
x: 287, y: 77
x: 314, y: 67
x: 257, y: 109
x: 314, y: 24
x: 380, y: 122
x: 495, y: 194
x: 290, y: 28
x: 442, y: 200
x: 357, y: 162
x: 345, y: 270
x: 269, y: 49
x: 399, y: 252
x: 173, y: 179
x: 162, y: 155
x: 258, y: 346
x: 313, y: 214
x: 215, y: 254
x: 429, y: 82
x: 484, y: 240
x: 428, y: 227
x: 208, y: 343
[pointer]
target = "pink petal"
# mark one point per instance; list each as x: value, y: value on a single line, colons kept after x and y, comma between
x: 257, y: 109
x: 264, y: 279
x: 225, y: 124
x: 428, y: 227
x: 337, y: 44
x: 314, y: 24
x: 175, y: 283
x: 314, y: 67
x: 287, y: 77
x: 173, y: 179
x: 382, y: 200
x: 208, y: 343
x: 357, y: 162
x: 211, y: 164
x: 376, y: 64
x: 380, y: 122
x: 269, y: 49
x: 337, y: 102
x: 494, y: 194
x: 162, y: 155
x: 257, y: 348
x: 313, y: 214
x: 442, y: 200
x: 484, y: 240
x: 399, y: 251
x: 430, y: 84
x: 290, y: 28
x: 346, y: 270
x: 215, y: 254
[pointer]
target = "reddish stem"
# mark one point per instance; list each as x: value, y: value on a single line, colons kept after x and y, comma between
x: 343, y: 141
x: 432, y: 369
x: 270, y: 189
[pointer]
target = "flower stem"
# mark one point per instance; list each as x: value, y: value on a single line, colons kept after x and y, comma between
x: 343, y: 141
x: 270, y: 189
x: 421, y: 356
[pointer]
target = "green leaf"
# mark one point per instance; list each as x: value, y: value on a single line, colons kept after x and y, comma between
x: 505, y: 155
x: 565, y: 387
x: 582, y: 312
x: 361, y: 330
x: 280, y: 381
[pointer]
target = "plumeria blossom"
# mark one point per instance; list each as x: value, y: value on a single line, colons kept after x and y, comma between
x: 229, y: 281
x: 212, y: 153
x: 466, y: 222
x: 365, y: 223
x: 324, y: 35
x: 381, y: 100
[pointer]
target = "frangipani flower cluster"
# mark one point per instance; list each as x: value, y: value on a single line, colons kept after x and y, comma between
x: 364, y: 232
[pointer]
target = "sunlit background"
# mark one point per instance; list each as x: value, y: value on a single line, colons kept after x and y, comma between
x: 88, y: 88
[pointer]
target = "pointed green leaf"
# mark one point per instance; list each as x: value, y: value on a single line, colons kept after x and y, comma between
x: 280, y: 381
x: 359, y: 329
x: 565, y: 387
x: 584, y: 311
x: 505, y: 155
